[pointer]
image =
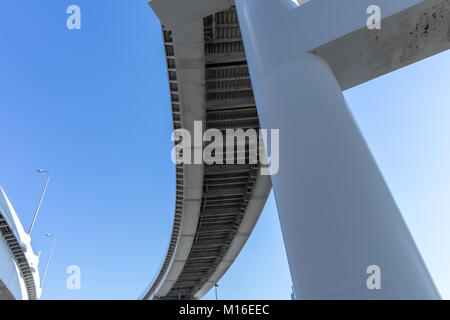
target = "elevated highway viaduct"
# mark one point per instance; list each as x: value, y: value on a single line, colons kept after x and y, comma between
x: 216, y: 206
x: 283, y: 64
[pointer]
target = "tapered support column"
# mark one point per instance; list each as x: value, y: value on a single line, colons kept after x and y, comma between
x: 337, y: 214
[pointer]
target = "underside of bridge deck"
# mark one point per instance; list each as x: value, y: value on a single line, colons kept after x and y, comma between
x: 227, y: 188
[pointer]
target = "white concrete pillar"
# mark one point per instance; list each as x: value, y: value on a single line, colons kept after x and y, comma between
x: 337, y: 215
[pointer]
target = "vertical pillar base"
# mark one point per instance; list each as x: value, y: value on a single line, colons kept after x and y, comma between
x: 338, y: 218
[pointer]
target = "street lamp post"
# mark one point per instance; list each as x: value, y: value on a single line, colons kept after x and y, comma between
x: 216, y: 286
x: 49, y: 256
x: 40, y: 201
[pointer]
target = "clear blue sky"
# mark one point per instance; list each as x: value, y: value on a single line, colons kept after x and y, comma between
x: 92, y: 106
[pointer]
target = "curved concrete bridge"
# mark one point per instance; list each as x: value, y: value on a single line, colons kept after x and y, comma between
x: 19, y: 273
x: 216, y: 206
x: 331, y: 197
